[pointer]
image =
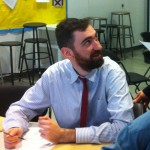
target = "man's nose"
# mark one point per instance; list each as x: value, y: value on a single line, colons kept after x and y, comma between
x: 97, y: 45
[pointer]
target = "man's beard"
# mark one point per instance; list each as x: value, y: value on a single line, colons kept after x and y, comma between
x: 88, y: 64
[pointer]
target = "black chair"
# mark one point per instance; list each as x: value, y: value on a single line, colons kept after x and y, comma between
x: 145, y: 36
x: 138, y: 109
x: 133, y: 78
x: 11, y: 94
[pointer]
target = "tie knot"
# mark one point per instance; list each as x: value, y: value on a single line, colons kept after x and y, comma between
x: 84, y: 80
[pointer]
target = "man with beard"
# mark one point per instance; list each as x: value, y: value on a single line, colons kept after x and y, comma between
x: 60, y: 87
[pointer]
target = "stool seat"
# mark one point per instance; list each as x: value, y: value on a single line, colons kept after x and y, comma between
x: 109, y: 25
x: 39, y: 40
x: 34, y: 25
x: 100, y: 30
x: 11, y: 43
x: 120, y: 12
x: 98, y: 18
x: 123, y: 26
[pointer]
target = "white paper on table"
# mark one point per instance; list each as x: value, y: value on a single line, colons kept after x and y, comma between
x: 146, y: 44
x: 10, y: 3
x: 33, y: 141
x: 43, y: 1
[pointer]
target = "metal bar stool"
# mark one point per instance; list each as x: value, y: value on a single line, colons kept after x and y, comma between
x: 36, y: 41
x: 99, y: 30
x: 124, y: 25
x: 124, y: 35
x: 11, y: 44
x: 1, y: 74
x: 112, y: 31
x: 121, y: 21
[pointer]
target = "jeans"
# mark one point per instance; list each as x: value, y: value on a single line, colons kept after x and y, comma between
x: 135, y: 136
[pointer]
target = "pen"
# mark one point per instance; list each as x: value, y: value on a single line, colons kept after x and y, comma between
x: 12, y: 135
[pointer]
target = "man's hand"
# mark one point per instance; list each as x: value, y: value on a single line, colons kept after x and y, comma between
x: 11, y: 139
x: 141, y: 97
x: 51, y: 131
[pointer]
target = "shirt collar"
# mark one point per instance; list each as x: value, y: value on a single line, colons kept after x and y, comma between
x: 74, y: 76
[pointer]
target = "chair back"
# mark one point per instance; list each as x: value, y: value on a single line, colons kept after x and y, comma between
x: 138, y: 109
x: 145, y: 36
x: 10, y: 94
x: 111, y: 54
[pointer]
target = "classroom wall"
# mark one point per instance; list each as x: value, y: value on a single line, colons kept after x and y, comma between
x: 103, y: 8
x: 85, y: 8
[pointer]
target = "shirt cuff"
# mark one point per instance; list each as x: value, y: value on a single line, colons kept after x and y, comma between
x: 83, y: 135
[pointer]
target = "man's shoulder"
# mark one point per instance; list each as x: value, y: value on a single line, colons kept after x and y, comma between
x: 109, y: 62
x: 59, y: 66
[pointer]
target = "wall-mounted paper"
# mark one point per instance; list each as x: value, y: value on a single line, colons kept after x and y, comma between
x: 41, y: 1
x: 146, y: 44
x: 57, y: 3
x: 10, y: 3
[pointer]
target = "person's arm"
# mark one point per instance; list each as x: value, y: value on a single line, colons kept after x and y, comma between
x: 143, y: 96
x: 33, y: 103
x: 147, y: 91
x: 51, y: 131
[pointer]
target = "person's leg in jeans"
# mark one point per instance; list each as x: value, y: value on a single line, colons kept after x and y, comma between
x: 135, y: 136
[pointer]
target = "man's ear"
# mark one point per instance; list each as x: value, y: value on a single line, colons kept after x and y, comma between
x: 67, y: 52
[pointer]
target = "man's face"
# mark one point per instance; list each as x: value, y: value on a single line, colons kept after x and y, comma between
x: 87, y: 49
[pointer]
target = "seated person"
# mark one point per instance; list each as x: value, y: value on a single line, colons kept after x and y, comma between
x: 136, y: 135
x: 143, y: 96
x: 60, y: 88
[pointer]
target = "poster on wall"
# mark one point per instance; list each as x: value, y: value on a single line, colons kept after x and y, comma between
x: 39, y: 12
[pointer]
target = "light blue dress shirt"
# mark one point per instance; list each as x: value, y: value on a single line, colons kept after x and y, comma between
x: 109, y: 102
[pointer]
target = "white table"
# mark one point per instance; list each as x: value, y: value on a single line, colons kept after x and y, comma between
x: 33, y: 143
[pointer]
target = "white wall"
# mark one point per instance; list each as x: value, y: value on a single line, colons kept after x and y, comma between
x: 103, y: 8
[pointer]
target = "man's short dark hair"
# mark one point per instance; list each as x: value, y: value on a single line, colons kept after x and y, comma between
x: 65, y: 29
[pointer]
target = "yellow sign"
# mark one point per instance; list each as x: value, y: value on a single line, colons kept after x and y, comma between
x: 30, y: 11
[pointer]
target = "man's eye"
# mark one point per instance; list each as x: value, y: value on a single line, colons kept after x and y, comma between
x: 87, y: 42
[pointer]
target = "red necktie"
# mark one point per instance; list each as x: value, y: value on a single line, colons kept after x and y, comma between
x: 84, y: 106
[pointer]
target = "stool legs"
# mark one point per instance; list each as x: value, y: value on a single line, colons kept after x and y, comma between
x: 21, y: 64
x: 11, y: 62
x: 131, y: 29
x: 1, y: 73
x: 123, y: 35
x: 50, y: 48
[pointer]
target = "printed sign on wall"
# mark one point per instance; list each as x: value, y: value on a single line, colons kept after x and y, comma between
x: 57, y: 3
